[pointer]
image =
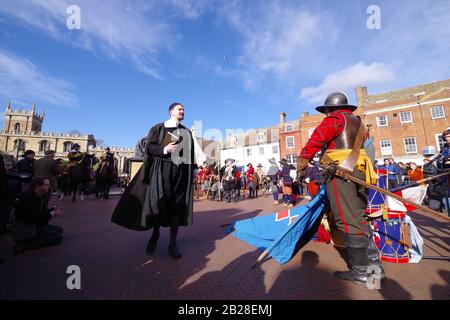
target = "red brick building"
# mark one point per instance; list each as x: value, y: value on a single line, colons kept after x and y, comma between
x: 290, y: 138
x: 407, y: 124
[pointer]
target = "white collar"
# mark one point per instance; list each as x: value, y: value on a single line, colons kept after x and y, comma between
x: 171, y: 123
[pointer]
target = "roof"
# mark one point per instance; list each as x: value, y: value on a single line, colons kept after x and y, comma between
x: 408, y: 94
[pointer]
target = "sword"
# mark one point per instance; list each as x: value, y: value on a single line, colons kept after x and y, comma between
x: 342, y: 172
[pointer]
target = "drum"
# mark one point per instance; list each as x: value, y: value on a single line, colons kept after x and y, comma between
x: 391, y: 238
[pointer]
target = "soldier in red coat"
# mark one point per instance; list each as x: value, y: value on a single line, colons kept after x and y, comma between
x: 335, y: 137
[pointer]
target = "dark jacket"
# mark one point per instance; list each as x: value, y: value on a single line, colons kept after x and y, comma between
x: 25, y: 166
x: 144, y: 197
x: 46, y: 168
x: 30, y: 208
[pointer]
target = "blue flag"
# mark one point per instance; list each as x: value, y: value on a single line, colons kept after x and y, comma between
x: 280, y: 233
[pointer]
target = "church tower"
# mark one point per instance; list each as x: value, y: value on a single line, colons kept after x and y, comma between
x: 23, y: 120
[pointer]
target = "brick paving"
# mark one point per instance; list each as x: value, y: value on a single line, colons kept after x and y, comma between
x: 215, y: 265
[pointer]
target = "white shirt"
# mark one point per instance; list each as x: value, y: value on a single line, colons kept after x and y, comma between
x: 171, y: 123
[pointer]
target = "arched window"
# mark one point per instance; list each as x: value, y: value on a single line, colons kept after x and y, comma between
x: 44, y: 145
x: 17, y: 127
x: 19, y: 145
x: 68, y: 146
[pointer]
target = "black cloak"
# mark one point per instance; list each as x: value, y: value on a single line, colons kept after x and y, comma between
x: 144, y: 200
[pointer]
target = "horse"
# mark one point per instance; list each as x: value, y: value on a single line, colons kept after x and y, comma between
x: 105, y: 177
x: 77, y: 178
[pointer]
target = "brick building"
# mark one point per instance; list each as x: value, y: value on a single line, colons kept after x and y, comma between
x: 407, y: 124
x: 290, y: 138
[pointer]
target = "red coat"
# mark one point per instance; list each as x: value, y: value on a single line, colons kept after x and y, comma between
x: 324, y: 134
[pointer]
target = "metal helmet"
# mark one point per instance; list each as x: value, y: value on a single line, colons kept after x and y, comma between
x: 336, y: 101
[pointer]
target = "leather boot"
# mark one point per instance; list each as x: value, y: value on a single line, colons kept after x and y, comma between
x: 358, y: 270
x: 151, y: 245
x: 356, y: 249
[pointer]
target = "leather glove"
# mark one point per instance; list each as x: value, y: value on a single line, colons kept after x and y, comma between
x: 302, y: 163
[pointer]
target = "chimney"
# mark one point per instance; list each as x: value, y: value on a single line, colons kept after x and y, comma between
x: 361, y: 94
x: 282, y: 117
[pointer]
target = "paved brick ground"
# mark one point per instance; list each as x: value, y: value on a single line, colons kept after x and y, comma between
x: 215, y: 265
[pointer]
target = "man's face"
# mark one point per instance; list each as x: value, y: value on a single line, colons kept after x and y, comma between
x: 387, y: 162
x: 44, y: 188
x: 178, y: 112
x: 30, y: 156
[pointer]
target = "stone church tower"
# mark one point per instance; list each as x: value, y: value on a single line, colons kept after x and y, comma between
x: 23, y: 120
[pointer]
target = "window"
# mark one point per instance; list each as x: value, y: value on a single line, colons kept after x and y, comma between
x: 310, y: 132
x: 290, y: 143
x: 274, y: 149
x: 410, y: 145
x: 249, y: 152
x: 260, y: 137
x: 437, y: 112
x: 382, y: 121
x: 44, y: 146
x: 17, y: 127
x: 19, y: 145
x: 67, y: 146
x: 291, y: 159
x: 261, y: 151
x: 386, y: 147
x: 233, y: 141
x: 289, y: 128
x: 439, y: 141
x: 406, y: 117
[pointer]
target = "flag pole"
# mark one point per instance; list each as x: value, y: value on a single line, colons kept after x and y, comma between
x: 260, y: 258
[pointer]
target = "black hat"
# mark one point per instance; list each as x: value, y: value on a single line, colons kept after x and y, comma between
x: 336, y: 101
x: 28, y: 152
x: 249, y: 164
x: 283, y: 161
x: 259, y: 165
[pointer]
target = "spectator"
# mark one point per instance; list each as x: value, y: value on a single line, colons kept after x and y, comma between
x: 399, y: 171
x: 416, y: 173
x: 47, y: 167
x: 26, y: 164
x: 403, y: 176
x: 437, y: 188
x: 33, y: 214
x: 313, y: 179
x: 392, y: 173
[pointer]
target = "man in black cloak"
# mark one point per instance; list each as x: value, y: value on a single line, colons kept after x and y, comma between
x: 161, y: 193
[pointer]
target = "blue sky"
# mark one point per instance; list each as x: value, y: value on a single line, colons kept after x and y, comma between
x: 233, y: 64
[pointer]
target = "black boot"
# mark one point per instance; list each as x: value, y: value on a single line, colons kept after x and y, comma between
x: 151, y: 245
x: 173, y: 249
x: 358, y: 270
x: 356, y: 249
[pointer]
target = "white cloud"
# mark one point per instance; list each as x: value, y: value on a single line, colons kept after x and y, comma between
x: 276, y: 38
x: 131, y: 34
x: 20, y: 78
x: 359, y: 74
